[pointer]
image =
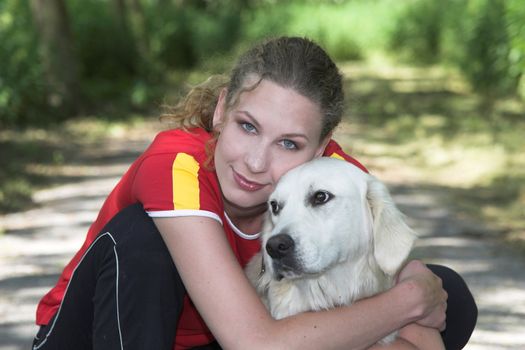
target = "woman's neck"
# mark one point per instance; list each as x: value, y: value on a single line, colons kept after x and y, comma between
x: 248, y: 220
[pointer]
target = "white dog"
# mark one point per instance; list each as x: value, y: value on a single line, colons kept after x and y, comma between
x: 333, y: 236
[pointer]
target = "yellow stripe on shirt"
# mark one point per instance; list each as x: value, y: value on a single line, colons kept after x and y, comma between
x: 336, y: 156
x: 185, y: 171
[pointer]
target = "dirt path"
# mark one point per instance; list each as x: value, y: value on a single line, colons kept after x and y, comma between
x: 37, y: 244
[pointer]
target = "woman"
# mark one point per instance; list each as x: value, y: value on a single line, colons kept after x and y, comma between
x: 205, y: 187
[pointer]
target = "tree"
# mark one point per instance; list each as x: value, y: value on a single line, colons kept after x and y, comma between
x: 56, y: 51
x: 119, y: 9
x: 139, y: 26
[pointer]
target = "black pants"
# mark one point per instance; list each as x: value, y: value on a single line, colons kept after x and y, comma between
x: 126, y: 293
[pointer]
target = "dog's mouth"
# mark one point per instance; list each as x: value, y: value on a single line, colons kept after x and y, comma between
x: 284, y: 270
x: 293, y: 270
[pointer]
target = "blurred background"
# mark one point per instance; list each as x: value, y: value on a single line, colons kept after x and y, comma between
x: 447, y: 75
x: 435, y: 107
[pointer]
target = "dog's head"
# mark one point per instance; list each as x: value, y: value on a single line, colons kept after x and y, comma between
x: 328, y: 212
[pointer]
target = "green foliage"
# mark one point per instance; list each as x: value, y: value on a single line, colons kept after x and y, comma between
x: 516, y: 30
x: 125, y: 62
x: 328, y: 24
x: 127, y: 58
x: 418, y: 31
x: 21, y: 91
x: 266, y: 20
x: 109, y: 60
x: 170, y: 37
x: 214, y: 32
x: 485, y: 60
x: 183, y: 37
x: 105, y: 46
x: 485, y: 39
x: 348, y: 30
x: 116, y: 67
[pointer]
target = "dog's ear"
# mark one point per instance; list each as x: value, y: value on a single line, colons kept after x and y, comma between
x: 393, y: 238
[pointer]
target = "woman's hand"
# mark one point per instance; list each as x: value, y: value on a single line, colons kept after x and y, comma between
x: 428, y: 293
x: 429, y: 301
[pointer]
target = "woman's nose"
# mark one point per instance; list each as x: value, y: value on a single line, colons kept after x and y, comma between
x: 257, y: 159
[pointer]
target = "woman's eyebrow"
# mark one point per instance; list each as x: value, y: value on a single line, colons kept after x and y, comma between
x: 254, y: 121
x: 293, y: 135
x: 250, y: 116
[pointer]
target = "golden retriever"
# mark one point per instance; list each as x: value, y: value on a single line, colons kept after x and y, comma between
x: 333, y: 235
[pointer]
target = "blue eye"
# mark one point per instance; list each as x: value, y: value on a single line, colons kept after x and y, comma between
x: 248, y: 127
x: 289, y: 144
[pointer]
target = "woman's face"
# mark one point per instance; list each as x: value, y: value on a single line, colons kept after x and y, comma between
x: 269, y: 131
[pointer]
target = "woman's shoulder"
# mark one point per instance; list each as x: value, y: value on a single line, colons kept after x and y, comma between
x: 191, y: 141
x: 176, y: 160
x: 196, y: 136
x: 334, y: 150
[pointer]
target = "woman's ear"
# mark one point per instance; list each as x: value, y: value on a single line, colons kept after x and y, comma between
x: 220, y: 110
x: 322, y: 145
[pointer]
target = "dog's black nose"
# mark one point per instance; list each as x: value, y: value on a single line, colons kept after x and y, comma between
x: 280, y: 246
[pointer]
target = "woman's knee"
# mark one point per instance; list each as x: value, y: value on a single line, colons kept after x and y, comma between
x: 143, y: 258
x: 149, y: 286
x: 462, y: 311
x: 137, y: 238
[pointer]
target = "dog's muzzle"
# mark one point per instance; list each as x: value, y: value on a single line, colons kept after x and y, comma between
x: 281, y: 248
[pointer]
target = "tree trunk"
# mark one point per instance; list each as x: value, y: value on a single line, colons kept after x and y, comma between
x: 119, y: 9
x: 139, y: 29
x: 56, y: 50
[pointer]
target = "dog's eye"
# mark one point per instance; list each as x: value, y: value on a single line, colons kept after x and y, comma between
x: 321, y: 197
x: 274, y: 206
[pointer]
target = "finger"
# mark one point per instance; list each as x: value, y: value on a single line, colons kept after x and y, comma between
x: 444, y: 323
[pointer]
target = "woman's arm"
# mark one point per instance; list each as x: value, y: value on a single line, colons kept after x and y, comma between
x: 238, y: 319
x: 423, y: 338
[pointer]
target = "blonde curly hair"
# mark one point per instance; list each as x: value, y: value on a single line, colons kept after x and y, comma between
x: 197, y: 107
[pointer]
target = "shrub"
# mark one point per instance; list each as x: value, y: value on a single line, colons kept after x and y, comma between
x: 104, y: 47
x: 487, y: 47
x: 22, y: 98
x: 418, y: 31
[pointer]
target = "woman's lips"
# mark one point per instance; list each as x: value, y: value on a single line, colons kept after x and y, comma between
x: 246, y: 184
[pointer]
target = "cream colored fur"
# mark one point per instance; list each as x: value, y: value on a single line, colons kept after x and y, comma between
x: 345, y: 249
